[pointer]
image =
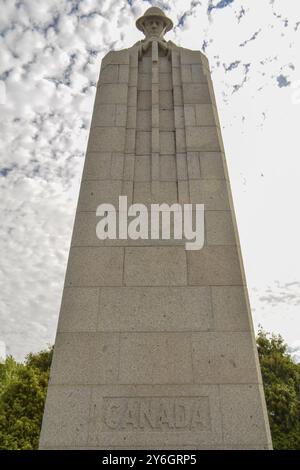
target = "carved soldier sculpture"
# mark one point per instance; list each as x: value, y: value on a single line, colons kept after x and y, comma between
x: 154, y: 24
x: 155, y: 346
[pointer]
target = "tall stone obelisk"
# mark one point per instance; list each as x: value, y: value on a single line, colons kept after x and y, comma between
x: 155, y: 346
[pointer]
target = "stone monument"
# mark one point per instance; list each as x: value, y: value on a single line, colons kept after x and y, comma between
x: 155, y: 345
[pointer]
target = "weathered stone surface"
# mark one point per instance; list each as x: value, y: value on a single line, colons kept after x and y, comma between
x: 104, y: 115
x: 183, y: 192
x: 123, y: 73
x: 115, y: 57
x: 107, y: 139
x: 143, y: 143
x: 144, y: 100
x: 66, y: 417
x: 165, y: 99
x: 204, y: 115
x: 179, y: 117
x: 165, y: 81
x: 103, y: 166
x: 85, y: 358
x: 176, y: 76
x: 166, y: 120
x: 155, y: 309
x: 162, y: 192
x: 193, y: 165
x: 130, y: 146
x: 180, y: 140
x: 190, y: 115
x: 113, y: 93
x: 202, y: 138
x: 155, y: 358
x: 167, y: 143
x: 177, y: 96
x: 181, y: 167
x: 212, y: 193
x: 198, y: 74
x: 143, y: 121
x: 164, y: 65
x: 128, y: 173
x: 117, y: 166
x: 84, y: 232
x: 110, y: 74
x: 214, y: 265
x: 96, y: 192
x: 161, y: 266
x: 168, y: 168
x: 133, y: 96
x: 144, y: 81
x: 230, y: 309
x: 121, y: 115
x: 131, y: 117
x: 219, y: 228
x: 142, y: 168
x: 211, y: 165
x: 196, y: 93
x: 97, y: 165
x: 92, y: 267
x: 244, y: 417
x: 79, y: 309
x: 190, y: 57
x: 223, y: 357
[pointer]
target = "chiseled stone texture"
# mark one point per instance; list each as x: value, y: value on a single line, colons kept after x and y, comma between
x: 161, y: 192
x: 214, y: 265
x: 244, y: 418
x: 211, y: 165
x: 106, y: 139
x: 223, y: 357
x: 230, y: 311
x: 219, y: 228
x: 210, y: 192
x: 66, y: 417
x: 92, y: 267
x: 155, y: 346
x: 155, y: 309
x: 94, y: 192
x: 159, y: 266
x: 85, y: 358
x: 202, y: 138
x: 79, y: 309
x: 155, y: 358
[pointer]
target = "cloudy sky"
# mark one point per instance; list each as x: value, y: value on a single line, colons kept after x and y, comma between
x: 50, y: 53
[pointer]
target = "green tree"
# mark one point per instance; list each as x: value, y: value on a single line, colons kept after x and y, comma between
x: 281, y: 378
x: 23, y: 390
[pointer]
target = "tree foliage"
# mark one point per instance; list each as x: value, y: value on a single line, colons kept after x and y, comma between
x: 23, y: 389
x: 281, y: 378
x: 22, y: 395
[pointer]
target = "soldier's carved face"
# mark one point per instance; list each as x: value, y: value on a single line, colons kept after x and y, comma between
x: 154, y: 27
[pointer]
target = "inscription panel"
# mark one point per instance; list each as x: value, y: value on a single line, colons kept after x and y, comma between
x: 139, y: 416
x: 156, y: 414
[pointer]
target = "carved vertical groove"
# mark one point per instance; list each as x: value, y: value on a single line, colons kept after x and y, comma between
x: 180, y: 139
x: 130, y: 143
x: 155, y: 113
